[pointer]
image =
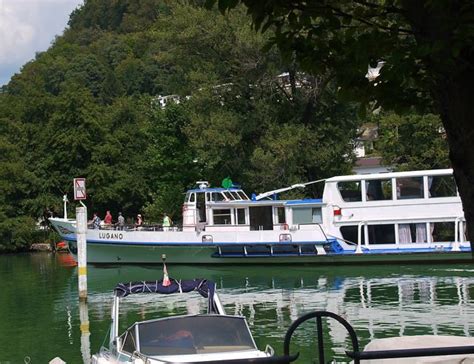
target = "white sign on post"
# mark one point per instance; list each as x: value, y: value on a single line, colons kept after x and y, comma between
x: 80, y: 189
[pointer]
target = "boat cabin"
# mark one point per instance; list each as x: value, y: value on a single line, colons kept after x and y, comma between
x: 231, y: 209
x: 395, y: 208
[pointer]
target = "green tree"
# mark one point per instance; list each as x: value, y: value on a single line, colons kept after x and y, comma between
x: 116, y: 168
x: 413, y: 142
x: 170, y: 162
x: 131, y: 74
x: 17, y: 230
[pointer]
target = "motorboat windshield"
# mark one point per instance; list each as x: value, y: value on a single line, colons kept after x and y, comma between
x: 200, y: 334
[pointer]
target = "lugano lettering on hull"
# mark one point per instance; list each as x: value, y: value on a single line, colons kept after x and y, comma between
x: 118, y: 236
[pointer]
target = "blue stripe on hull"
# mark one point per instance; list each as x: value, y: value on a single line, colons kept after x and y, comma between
x: 193, y: 243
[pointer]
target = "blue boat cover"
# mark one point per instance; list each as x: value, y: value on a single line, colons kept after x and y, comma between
x: 203, y: 286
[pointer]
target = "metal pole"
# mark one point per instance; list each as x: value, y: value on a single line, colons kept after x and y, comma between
x: 359, y: 238
x: 65, y: 207
x: 81, y: 229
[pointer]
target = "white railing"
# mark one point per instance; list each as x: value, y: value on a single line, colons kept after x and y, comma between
x: 359, y: 236
x: 458, y: 233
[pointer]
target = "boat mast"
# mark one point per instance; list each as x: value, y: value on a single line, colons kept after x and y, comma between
x: 65, y: 200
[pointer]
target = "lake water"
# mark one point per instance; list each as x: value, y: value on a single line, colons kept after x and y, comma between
x: 39, y: 310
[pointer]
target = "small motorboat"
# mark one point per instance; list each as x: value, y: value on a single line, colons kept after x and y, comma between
x: 213, y: 337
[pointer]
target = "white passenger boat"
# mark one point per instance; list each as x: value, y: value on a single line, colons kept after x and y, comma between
x: 400, y: 216
x: 213, y: 337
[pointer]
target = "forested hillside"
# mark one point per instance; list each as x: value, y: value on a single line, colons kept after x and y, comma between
x: 88, y: 107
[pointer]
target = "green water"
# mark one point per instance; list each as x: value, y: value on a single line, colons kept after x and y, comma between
x: 39, y: 311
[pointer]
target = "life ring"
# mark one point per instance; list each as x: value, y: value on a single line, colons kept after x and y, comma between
x: 284, y: 226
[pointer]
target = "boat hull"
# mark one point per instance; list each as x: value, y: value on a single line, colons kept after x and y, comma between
x: 302, y: 247
x: 143, y: 254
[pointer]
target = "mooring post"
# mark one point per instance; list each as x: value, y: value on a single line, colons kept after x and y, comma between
x: 85, y: 333
x: 81, y: 229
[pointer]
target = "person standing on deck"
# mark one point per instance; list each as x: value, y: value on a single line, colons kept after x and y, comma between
x: 166, y: 222
x: 108, y: 218
x: 139, y: 222
x: 120, y: 221
x: 96, y: 221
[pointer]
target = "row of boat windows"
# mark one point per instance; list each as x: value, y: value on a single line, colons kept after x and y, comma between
x: 405, y: 188
x: 407, y: 233
x: 218, y: 196
x: 303, y: 215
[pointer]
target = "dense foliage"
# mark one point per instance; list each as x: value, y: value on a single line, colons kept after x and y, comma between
x: 90, y: 107
x: 412, y: 142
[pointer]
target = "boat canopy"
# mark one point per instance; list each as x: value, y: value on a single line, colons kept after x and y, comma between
x: 204, y: 287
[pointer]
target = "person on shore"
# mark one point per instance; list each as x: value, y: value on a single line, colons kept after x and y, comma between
x: 120, y: 221
x: 108, y: 218
x: 167, y: 222
x: 96, y: 221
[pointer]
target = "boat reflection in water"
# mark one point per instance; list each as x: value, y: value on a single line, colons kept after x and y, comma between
x: 376, y: 301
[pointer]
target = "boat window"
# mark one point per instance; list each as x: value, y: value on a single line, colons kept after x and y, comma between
x: 409, y: 187
x: 242, y: 195
x: 350, y: 191
x: 307, y: 215
x: 217, y: 196
x: 281, y: 215
x: 261, y: 217
x: 129, y: 344
x: 192, y: 198
x: 442, y: 231
x: 222, y: 216
x: 235, y: 195
x: 202, y: 334
x: 412, y: 233
x: 228, y: 196
x: 382, y: 234
x: 349, y: 233
x: 378, y: 234
x: 201, y: 207
x: 317, y: 215
x: 378, y: 189
x: 240, y: 216
x: 441, y: 186
x: 186, y: 198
